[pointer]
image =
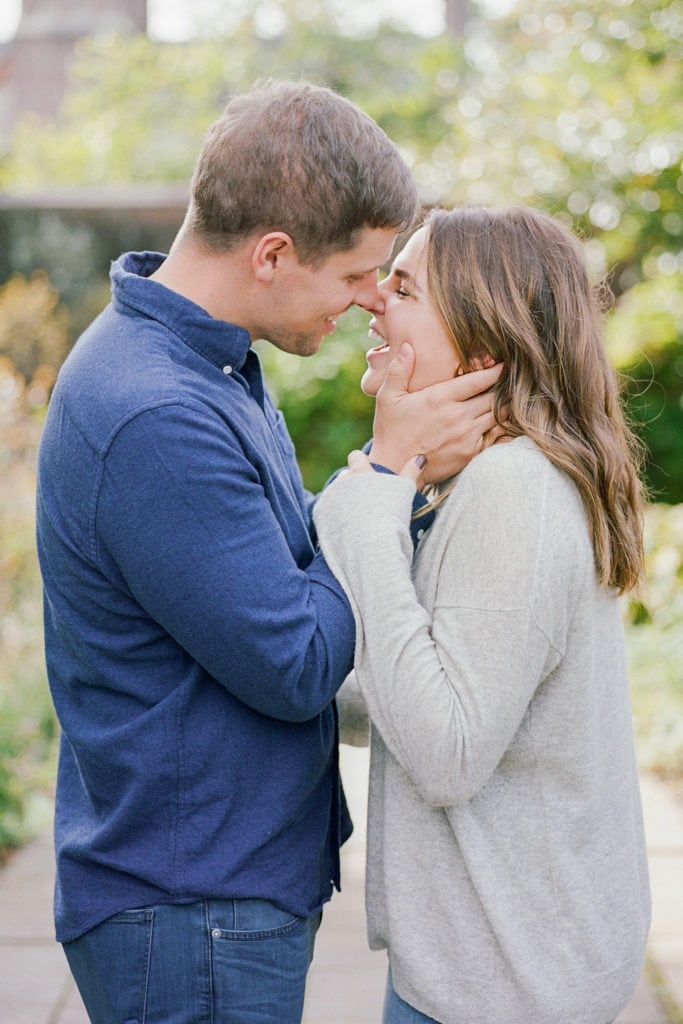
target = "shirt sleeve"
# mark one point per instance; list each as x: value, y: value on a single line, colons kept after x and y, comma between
x: 447, y: 690
x: 183, y: 524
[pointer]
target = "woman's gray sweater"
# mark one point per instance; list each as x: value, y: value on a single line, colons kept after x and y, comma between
x: 507, y: 870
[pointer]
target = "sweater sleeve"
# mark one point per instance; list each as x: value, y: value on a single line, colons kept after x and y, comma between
x: 447, y: 690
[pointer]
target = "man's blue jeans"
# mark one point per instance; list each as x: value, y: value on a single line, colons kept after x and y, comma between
x: 213, y: 962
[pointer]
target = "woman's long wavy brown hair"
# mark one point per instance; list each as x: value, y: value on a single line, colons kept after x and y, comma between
x: 512, y: 282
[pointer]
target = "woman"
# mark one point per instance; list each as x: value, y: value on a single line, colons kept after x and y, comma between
x: 506, y: 870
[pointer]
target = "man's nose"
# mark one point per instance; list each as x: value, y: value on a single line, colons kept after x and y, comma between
x: 370, y: 298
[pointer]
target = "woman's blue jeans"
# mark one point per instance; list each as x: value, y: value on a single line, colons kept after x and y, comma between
x: 397, y: 1011
x: 213, y: 962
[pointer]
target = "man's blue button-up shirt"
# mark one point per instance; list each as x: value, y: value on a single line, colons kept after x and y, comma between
x: 194, y: 636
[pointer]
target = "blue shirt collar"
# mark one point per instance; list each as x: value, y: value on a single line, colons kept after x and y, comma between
x: 220, y: 342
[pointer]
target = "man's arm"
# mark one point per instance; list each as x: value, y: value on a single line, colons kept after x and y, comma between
x: 186, y: 527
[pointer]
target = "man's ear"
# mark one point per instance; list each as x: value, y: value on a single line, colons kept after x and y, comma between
x: 269, y: 253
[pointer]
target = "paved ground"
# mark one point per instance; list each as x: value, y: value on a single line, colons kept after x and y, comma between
x: 346, y: 981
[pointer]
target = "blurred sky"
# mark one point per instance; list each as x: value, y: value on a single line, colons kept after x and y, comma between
x: 170, y: 19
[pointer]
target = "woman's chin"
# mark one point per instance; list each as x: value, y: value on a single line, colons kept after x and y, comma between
x: 370, y: 383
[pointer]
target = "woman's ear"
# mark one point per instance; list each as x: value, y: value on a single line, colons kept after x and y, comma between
x: 482, y: 362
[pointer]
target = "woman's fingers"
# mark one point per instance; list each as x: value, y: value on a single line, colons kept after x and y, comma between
x: 358, y: 462
x: 414, y: 468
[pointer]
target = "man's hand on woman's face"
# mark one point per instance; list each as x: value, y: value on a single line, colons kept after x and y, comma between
x: 445, y: 422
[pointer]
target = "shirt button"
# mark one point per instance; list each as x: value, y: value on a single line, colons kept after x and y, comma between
x: 215, y: 933
x: 420, y: 534
x: 227, y: 369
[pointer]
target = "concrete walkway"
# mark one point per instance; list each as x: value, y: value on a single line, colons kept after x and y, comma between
x: 346, y: 982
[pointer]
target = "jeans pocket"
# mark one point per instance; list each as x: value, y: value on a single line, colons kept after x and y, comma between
x: 125, y: 941
x: 260, y: 955
x: 251, y: 919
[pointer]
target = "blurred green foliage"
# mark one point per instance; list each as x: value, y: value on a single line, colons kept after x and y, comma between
x: 573, y: 107
x: 34, y: 326
x: 645, y: 339
x: 27, y: 724
x: 654, y: 638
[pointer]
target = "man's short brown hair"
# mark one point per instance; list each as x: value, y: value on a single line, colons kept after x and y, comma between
x: 298, y: 158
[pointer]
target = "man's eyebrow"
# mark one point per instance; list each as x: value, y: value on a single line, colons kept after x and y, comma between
x: 359, y: 274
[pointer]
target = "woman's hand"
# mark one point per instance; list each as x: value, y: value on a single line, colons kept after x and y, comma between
x: 358, y: 462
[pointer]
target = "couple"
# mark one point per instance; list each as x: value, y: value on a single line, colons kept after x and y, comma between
x: 202, y: 609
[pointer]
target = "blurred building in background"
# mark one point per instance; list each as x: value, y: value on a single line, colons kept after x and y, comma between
x: 33, y: 65
x: 72, y: 233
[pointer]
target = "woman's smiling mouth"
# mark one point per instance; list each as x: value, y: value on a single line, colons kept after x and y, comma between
x: 374, y: 333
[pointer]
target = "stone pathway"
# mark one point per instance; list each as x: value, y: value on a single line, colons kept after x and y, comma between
x: 346, y: 982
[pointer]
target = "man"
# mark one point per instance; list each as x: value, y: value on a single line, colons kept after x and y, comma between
x: 195, y: 637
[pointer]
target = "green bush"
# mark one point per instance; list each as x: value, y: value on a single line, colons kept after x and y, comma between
x: 645, y: 340
x: 27, y: 723
x: 34, y: 324
x: 33, y: 341
x: 654, y: 636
